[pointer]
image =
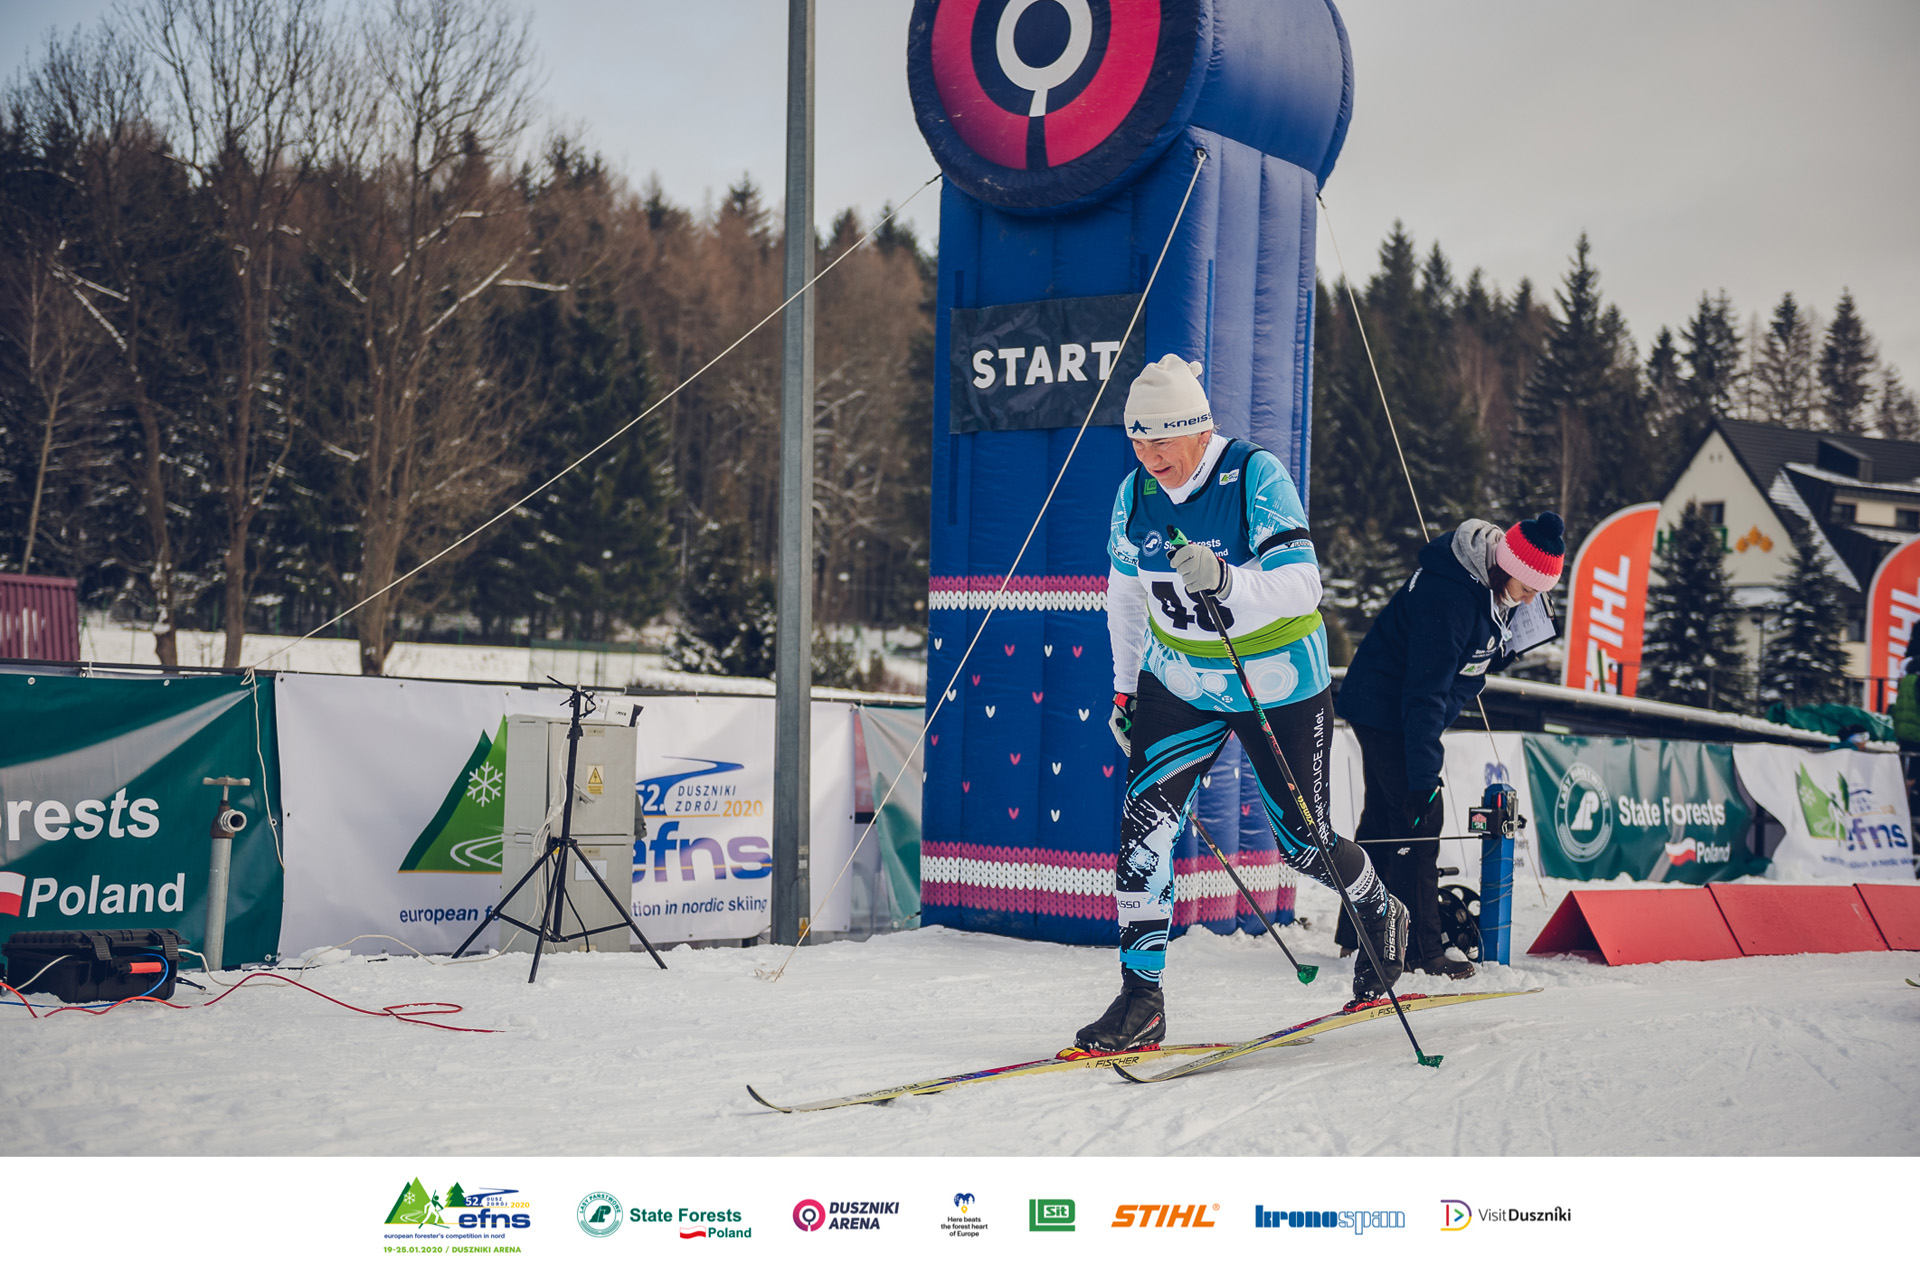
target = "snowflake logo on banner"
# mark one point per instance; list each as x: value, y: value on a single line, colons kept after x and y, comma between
x: 483, y: 784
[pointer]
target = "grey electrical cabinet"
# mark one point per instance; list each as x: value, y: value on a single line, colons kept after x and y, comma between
x: 603, y: 825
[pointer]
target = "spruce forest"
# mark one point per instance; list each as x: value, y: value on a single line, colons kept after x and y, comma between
x: 291, y: 299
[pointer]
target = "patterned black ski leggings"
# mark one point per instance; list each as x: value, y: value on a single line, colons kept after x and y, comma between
x: 1174, y: 744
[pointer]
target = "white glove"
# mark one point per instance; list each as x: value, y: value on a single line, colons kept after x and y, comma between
x: 1201, y: 571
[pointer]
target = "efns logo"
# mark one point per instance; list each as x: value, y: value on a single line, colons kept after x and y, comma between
x: 1033, y: 104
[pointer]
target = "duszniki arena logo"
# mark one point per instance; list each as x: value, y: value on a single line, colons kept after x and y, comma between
x: 599, y: 1214
x: 1583, y: 814
x: 809, y: 1215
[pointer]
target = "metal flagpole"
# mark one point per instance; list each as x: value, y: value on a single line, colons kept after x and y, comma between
x: 793, y: 655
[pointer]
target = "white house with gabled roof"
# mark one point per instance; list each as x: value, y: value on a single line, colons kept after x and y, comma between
x: 1859, y: 495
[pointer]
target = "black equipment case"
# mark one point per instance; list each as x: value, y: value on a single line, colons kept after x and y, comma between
x: 94, y: 966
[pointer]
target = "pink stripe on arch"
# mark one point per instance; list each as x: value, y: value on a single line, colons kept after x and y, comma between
x: 1019, y: 585
x: 1097, y: 905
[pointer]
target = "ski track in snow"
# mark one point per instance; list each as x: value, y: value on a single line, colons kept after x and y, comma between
x: 1809, y: 1054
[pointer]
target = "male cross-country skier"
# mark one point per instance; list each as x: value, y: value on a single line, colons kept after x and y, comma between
x: 1428, y: 654
x: 1248, y: 547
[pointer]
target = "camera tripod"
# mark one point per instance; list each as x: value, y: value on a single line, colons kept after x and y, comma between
x: 547, y: 931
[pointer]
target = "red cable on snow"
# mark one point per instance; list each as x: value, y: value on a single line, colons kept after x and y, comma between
x: 408, y: 1012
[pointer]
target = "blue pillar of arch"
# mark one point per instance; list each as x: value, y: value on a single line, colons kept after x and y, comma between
x: 1023, y: 780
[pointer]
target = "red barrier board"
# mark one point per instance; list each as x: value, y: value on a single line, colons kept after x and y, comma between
x: 1648, y: 926
x: 1781, y: 918
x: 1896, y: 911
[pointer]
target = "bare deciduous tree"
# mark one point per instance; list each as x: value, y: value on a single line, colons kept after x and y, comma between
x: 423, y: 230
x: 254, y: 91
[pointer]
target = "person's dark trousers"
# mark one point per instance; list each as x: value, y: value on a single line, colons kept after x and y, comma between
x: 1411, y: 869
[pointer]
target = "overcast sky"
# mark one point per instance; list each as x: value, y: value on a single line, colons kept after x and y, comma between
x: 1742, y: 145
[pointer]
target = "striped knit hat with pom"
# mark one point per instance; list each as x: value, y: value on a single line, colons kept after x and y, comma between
x: 1533, y: 551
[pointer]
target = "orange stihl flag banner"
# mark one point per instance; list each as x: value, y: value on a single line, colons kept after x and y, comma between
x: 1893, y: 604
x: 1607, y: 602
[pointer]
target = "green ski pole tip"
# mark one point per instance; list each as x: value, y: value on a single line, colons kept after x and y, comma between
x: 1307, y: 972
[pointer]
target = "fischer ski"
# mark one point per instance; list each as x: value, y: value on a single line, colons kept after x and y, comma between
x: 1333, y: 1020
x: 1068, y: 1058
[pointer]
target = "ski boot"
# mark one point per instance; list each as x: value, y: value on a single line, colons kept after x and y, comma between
x: 1138, y: 1018
x: 1444, y: 965
x: 1388, y: 932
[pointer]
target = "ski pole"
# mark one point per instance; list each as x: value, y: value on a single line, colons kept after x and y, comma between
x: 1305, y: 972
x: 1177, y: 539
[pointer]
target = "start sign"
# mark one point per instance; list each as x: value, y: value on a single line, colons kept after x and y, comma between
x: 1037, y: 365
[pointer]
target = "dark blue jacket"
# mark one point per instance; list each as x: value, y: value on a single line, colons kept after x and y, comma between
x: 1427, y: 655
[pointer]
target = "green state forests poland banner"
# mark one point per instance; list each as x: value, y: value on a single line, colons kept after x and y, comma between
x: 107, y: 824
x: 1657, y: 810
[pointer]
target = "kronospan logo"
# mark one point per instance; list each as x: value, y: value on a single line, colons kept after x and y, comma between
x: 1356, y: 1221
x: 1050, y: 1215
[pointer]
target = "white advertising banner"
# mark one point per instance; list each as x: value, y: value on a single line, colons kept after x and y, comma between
x: 1843, y: 812
x: 393, y: 796
x: 705, y: 870
x: 388, y: 785
x: 1474, y: 762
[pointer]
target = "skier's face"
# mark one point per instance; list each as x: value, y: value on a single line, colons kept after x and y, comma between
x: 1172, y: 461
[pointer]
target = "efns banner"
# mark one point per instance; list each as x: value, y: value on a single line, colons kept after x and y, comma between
x: 107, y: 824
x: 1662, y: 811
x: 1067, y: 131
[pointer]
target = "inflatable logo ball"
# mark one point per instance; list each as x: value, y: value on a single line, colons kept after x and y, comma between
x: 1040, y: 104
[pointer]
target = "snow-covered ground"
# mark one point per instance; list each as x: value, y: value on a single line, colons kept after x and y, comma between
x: 1814, y: 1054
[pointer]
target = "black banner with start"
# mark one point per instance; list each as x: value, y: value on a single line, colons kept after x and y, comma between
x: 1038, y: 365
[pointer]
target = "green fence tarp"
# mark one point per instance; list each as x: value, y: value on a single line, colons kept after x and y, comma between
x: 1659, y: 810
x: 107, y: 824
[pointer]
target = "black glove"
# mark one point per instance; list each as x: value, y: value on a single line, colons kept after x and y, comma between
x: 1121, y: 721
x: 1423, y: 812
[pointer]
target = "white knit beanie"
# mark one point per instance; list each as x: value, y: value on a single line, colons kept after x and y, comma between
x: 1166, y: 401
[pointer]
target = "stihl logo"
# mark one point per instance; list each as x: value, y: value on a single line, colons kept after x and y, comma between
x: 1164, y: 1216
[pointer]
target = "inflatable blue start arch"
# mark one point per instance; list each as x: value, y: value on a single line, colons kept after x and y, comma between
x: 1068, y: 133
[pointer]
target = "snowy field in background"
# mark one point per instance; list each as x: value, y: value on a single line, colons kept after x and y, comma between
x: 103, y: 640
x: 1813, y: 1054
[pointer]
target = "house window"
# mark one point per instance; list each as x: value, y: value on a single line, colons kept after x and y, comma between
x: 1907, y: 520
x: 1842, y: 512
x: 1716, y: 511
x: 1856, y: 627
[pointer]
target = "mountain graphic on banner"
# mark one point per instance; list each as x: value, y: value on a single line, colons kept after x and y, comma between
x: 416, y: 1206
x: 465, y: 835
x: 1817, y: 806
